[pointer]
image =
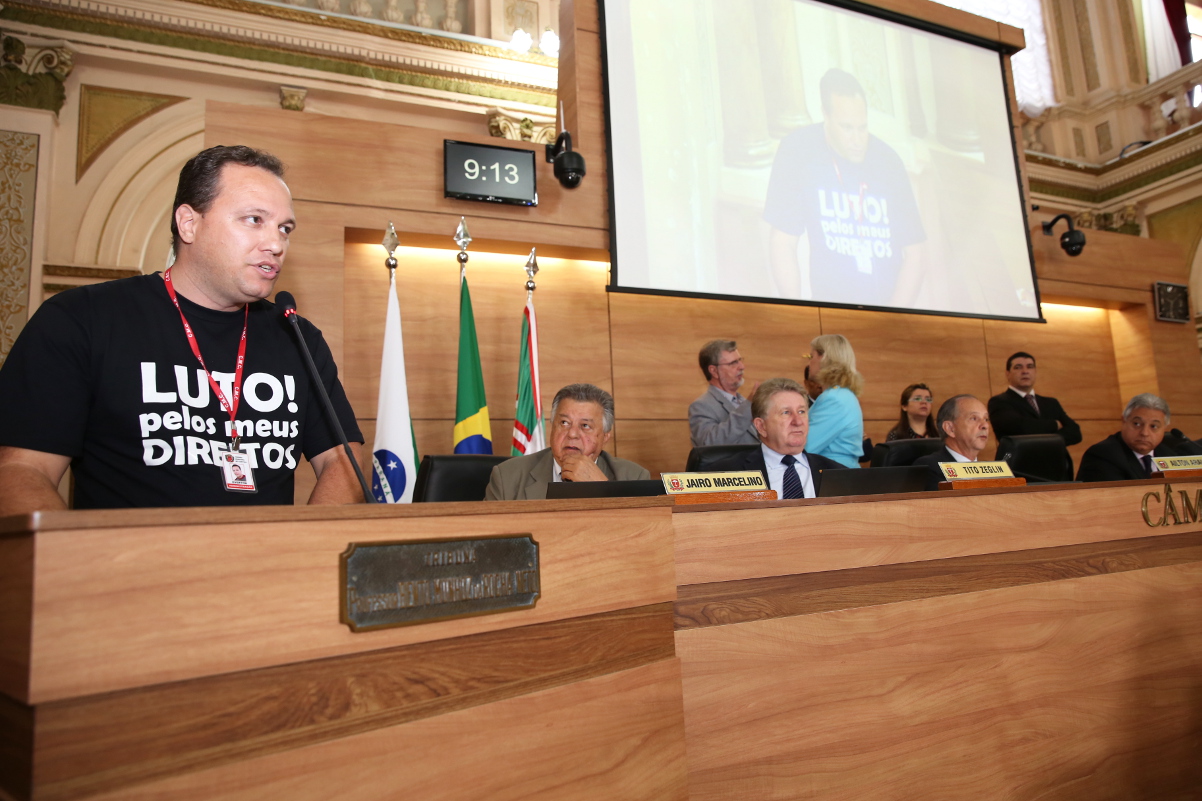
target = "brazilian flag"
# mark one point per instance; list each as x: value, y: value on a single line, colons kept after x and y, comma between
x: 472, y: 432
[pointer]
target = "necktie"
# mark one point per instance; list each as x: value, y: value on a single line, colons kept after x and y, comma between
x: 1031, y: 400
x: 736, y: 400
x: 792, y: 484
x: 1146, y: 460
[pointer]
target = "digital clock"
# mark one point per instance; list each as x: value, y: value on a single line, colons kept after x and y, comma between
x: 1172, y: 302
x: 489, y: 173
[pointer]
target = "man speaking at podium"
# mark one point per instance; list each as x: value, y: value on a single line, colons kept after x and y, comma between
x: 184, y: 388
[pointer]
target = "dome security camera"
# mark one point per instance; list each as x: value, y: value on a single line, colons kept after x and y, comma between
x: 1073, y: 242
x: 569, y: 166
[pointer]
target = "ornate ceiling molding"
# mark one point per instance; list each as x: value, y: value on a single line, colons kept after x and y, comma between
x: 34, y: 71
x: 1175, y: 156
x: 351, y: 47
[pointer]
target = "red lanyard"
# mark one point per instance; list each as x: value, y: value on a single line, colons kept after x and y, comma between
x: 863, y: 189
x: 230, y: 408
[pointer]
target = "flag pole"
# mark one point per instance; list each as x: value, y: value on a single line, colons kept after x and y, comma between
x: 472, y: 432
x: 528, y: 433
x: 394, y: 453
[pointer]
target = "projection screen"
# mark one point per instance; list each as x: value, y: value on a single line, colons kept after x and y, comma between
x: 800, y: 152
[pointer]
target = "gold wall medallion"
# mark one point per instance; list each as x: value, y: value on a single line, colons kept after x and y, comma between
x: 402, y: 583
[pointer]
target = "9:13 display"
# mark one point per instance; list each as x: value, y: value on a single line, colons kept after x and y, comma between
x: 472, y: 170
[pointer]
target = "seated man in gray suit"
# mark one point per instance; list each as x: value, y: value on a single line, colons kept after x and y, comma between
x: 963, y: 423
x: 721, y: 416
x: 582, y: 422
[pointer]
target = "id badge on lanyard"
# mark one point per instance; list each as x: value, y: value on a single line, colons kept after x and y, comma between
x: 236, y: 472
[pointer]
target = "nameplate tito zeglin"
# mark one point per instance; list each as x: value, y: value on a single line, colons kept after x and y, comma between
x: 966, y: 471
x: 400, y: 583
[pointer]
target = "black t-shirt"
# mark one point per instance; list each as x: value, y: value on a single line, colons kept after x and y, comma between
x: 104, y: 374
x: 860, y: 216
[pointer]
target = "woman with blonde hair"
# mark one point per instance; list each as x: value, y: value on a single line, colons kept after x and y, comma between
x: 836, y: 421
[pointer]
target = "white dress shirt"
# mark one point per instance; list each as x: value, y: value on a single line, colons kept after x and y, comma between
x: 557, y: 471
x: 959, y: 457
x: 776, y: 472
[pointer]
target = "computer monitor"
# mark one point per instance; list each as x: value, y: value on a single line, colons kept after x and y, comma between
x: 872, y: 481
x: 604, y: 489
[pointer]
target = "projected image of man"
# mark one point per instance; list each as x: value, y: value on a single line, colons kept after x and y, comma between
x: 849, y: 193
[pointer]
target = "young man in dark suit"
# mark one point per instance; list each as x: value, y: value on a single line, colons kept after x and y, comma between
x: 780, y: 414
x: 1019, y: 410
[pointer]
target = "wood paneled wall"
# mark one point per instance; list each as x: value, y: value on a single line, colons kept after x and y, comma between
x: 350, y: 177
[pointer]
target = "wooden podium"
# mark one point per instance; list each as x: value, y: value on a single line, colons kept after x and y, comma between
x: 198, y: 653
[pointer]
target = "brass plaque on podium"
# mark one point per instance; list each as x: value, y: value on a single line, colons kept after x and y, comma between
x: 401, y: 583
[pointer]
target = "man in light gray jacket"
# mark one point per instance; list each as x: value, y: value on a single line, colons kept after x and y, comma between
x: 721, y: 416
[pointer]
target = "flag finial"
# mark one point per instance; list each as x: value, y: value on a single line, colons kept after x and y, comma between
x: 462, y: 237
x: 390, y: 243
x: 531, y: 269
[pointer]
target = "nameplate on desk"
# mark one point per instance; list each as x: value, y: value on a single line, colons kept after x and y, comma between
x: 735, y: 481
x: 385, y: 584
x: 1166, y: 463
x: 967, y: 471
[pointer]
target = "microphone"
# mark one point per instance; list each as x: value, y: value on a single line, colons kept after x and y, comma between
x: 287, y: 305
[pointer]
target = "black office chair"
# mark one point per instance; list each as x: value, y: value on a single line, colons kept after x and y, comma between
x: 1175, y: 442
x: 903, y: 452
x: 454, y: 477
x: 1036, y: 457
x: 867, y: 455
x: 701, y: 457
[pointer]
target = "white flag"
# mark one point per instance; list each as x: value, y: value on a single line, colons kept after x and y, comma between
x: 394, y: 459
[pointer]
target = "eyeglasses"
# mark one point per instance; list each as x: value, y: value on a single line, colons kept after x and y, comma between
x: 919, y: 399
x: 728, y: 364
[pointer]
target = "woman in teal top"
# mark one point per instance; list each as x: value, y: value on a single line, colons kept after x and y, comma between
x: 836, y: 421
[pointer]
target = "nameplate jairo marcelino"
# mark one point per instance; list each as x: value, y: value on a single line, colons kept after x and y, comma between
x: 1185, y: 510
x: 967, y: 471
x: 734, y: 481
x: 385, y: 584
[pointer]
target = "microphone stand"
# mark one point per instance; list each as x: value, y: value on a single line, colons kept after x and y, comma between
x: 288, y: 304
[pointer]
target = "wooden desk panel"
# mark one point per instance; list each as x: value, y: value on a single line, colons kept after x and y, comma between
x: 125, y: 607
x: 616, y: 736
x: 789, y: 537
x: 1081, y: 688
